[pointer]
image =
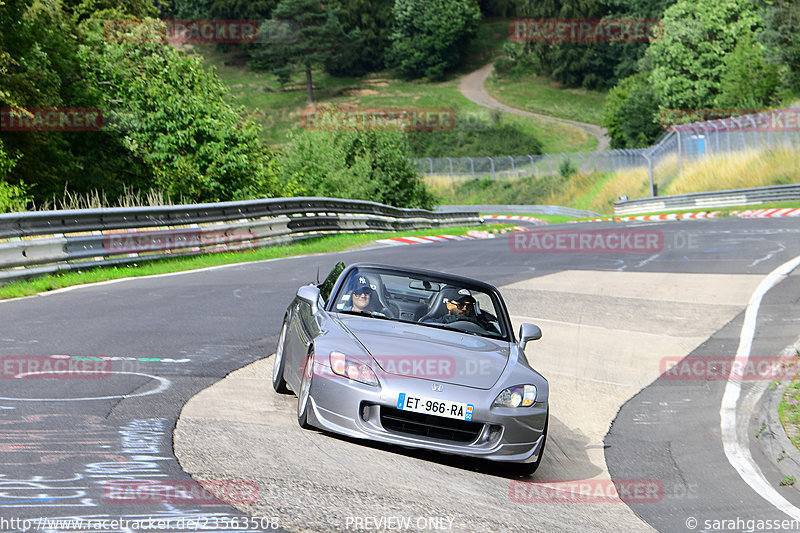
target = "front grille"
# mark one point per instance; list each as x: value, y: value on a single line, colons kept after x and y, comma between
x: 435, y: 427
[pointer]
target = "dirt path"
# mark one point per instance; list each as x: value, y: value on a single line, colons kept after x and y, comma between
x: 472, y: 87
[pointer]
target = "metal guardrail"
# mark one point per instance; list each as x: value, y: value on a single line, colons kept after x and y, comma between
x: 520, y: 210
x: 39, y: 243
x: 709, y: 200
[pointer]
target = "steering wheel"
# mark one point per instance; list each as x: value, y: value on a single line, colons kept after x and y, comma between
x: 466, y: 325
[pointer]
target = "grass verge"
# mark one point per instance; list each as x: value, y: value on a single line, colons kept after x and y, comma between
x: 542, y: 95
x: 789, y: 412
x: 550, y: 219
x: 330, y: 243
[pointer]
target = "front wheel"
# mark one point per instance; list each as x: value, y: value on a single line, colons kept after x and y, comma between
x: 278, y: 383
x: 304, y: 396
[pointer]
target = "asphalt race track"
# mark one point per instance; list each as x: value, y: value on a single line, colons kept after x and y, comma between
x: 98, y: 444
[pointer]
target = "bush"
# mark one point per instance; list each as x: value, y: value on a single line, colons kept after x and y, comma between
x: 566, y: 168
x: 475, y: 135
x: 430, y: 37
x: 358, y: 164
x: 631, y: 113
x: 13, y: 197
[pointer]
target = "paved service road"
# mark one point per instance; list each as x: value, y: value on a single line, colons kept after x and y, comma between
x: 610, y: 320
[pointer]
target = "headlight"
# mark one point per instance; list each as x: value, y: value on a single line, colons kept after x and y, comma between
x: 520, y: 396
x: 350, y: 368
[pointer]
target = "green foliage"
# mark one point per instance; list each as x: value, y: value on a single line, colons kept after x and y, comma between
x: 370, y: 23
x: 134, y: 8
x: 498, y: 8
x: 173, y: 117
x: 566, y: 168
x: 12, y: 197
x: 590, y: 65
x: 6, y: 162
x: 782, y: 39
x: 474, y: 136
x: 358, y: 164
x: 686, y: 63
x: 748, y: 80
x: 631, y: 113
x: 38, y: 59
x: 431, y: 36
x: 313, y: 37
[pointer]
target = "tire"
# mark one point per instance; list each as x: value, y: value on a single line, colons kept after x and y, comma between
x: 278, y: 383
x: 304, y: 394
x: 527, y: 469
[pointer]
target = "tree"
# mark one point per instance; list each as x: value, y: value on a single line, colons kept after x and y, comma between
x: 593, y: 65
x: 431, y: 36
x: 631, y: 113
x: 312, y: 37
x: 370, y: 22
x: 173, y: 117
x: 780, y: 36
x: 748, y: 80
x: 687, y: 65
x: 359, y: 164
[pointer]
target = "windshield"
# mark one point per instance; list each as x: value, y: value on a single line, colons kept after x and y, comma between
x: 426, y: 300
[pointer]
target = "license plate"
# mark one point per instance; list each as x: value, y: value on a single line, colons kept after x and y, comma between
x: 429, y: 406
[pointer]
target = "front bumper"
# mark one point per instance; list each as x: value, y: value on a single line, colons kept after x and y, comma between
x: 354, y: 409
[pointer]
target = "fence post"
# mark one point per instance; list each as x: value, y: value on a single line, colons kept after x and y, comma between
x: 491, y: 161
x: 769, y: 128
x: 533, y: 169
x: 650, y: 173
x: 472, y: 166
x: 513, y: 168
x: 755, y: 131
x: 450, y: 160
x: 680, y: 151
x: 550, y: 159
x: 431, y: 163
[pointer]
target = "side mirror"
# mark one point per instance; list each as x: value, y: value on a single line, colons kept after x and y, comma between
x: 310, y: 295
x: 528, y: 332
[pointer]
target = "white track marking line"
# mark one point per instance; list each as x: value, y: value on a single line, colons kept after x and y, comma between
x: 736, y: 449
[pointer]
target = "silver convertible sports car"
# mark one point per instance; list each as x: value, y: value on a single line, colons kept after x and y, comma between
x: 414, y: 358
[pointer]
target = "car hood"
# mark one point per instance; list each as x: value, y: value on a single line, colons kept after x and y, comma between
x: 430, y: 353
